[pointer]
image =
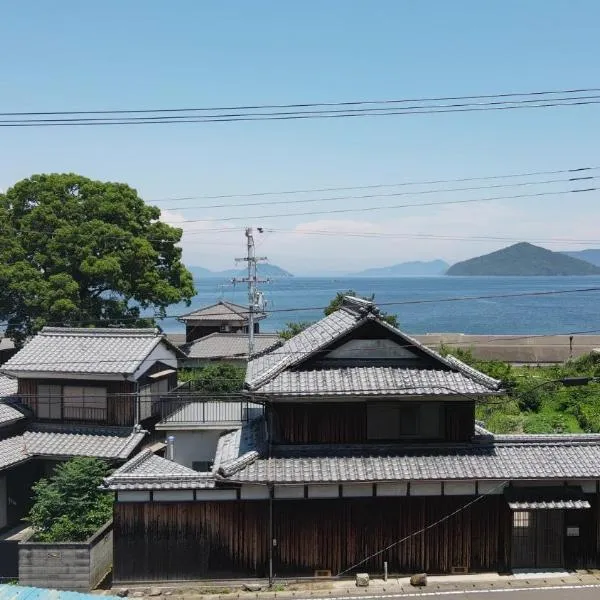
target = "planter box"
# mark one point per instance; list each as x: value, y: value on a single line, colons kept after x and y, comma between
x: 77, y: 566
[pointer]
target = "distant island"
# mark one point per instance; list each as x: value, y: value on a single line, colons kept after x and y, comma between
x: 265, y: 270
x: 432, y: 268
x: 523, y: 259
x: 591, y: 255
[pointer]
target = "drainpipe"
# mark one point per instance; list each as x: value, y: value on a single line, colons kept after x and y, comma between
x: 271, y: 539
x: 137, y: 404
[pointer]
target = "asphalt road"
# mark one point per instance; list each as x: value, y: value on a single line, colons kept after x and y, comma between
x: 564, y: 592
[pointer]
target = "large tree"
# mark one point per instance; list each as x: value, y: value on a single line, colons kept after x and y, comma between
x: 79, y: 252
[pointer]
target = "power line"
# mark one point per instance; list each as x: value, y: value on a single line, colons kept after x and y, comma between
x: 320, y: 308
x: 308, y: 104
x: 274, y: 116
x: 388, y: 194
x: 388, y: 207
x: 375, y: 186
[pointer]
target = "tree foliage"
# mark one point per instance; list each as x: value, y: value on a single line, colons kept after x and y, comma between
x: 215, y: 378
x: 337, y: 301
x: 531, y: 408
x: 292, y: 328
x: 74, y: 251
x: 69, y: 507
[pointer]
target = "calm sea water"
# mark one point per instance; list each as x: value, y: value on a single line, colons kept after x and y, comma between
x: 303, y: 299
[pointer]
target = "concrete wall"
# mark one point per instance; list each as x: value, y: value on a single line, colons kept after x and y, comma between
x: 196, y: 445
x: 77, y: 566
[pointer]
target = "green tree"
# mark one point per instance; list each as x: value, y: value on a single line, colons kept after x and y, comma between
x: 216, y: 378
x: 69, y: 506
x: 77, y: 251
x: 337, y: 301
x: 291, y: 329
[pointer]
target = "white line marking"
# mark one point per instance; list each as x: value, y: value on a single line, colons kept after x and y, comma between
x: 464, y: 592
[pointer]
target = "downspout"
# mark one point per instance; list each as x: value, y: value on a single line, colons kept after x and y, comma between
x: 137, y: 405
x: 271, y: 539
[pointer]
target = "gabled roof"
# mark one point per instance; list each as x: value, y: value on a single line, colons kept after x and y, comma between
x: 65, y: 441
x: 354, y: 313
x: 221, y: 311
x: 85, y: 350
x: 223, y: 346
x: 146, y: 471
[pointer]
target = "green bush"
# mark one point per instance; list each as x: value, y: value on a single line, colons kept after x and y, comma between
x: 69, y: 506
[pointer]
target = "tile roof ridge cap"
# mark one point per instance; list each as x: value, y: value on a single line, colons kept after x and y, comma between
x: 134, y: 462
x: 113, y: 331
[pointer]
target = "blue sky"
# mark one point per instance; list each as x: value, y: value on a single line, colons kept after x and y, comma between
x: 74, y: 55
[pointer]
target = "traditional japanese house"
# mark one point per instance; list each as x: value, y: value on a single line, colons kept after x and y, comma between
x: 368, y: 451
x: 221, y: 317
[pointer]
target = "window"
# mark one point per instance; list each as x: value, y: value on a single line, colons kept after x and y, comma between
x: 396, y: 420
x: 81, y: 403
x: 521, y: 519
x: 202, y: 466
x: 49, y: 401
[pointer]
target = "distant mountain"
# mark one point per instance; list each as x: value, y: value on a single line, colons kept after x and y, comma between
x: 591, y: 255
x: 265, y: 270
x: 417, y: 268
x: 523, y: 259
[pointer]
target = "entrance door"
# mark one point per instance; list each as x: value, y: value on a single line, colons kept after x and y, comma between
x: 537, y: 539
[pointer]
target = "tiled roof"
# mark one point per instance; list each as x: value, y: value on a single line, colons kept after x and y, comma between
x: 499, y: 460
x: 9, y: 386
x: 239, y: 447
x: 9, y: 414
x: 265, y: 368
x: 373, y: 381
x: 228, y: 345
x: 146, y: 471
x: 82, y: 350
x: 212, y: 412
x: 221, y: 311
x: 56, y: 441
x: 546, y: 498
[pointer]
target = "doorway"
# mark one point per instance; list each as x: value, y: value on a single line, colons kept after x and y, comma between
x: 537, y: 539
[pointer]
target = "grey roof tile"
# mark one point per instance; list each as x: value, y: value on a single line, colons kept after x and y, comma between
x: 220, y: 311
x: 83, y: 350
x: 55, y: 441
x: 241, y: 443
x: 146, y: 471
x: 9, y: 414
x: 377, y: 381
x: 228, y: 345
x: 497, y: 461
x: 266, y: 367
x: 9, y: 386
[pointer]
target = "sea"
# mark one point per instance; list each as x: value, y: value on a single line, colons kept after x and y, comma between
x: 473, y: 305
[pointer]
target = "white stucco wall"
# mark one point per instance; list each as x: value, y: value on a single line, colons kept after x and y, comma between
x: 196, y: 445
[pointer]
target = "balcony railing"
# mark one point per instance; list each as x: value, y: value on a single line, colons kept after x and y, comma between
x: 206, y: 411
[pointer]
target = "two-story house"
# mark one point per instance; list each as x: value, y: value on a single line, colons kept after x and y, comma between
x: 77, y: 392
x: 368, y: 451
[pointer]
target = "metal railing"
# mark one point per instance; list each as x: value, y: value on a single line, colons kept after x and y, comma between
x: 206, y: 411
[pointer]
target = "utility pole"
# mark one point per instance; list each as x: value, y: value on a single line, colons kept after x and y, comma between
x: 255, y: 297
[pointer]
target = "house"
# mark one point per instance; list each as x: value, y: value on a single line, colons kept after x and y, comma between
x: 231, y: 348
x: 221, y: 317
x: 100, y: 376
x: 77, y: 392
x: 368, y: 451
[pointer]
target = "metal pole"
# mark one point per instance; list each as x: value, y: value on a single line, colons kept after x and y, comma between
x: 251, y: 290
x: 385, y: 571
x: 271, y: 540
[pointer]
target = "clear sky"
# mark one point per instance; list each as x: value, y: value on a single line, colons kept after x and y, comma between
x: 74, y: 55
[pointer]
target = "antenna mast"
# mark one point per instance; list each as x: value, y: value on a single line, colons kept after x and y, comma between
x: 255, y: 301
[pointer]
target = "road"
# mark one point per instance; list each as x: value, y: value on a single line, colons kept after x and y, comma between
x: 563, y: 592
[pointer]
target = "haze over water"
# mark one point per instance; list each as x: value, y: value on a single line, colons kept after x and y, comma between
x: 546, y: 314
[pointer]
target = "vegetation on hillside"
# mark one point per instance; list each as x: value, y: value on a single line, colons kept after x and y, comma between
x: 534, y: 403
x: 523, y: 259
x: 69, y: 506
x: 79, y: 252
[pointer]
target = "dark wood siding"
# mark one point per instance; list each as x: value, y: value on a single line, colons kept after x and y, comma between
x: 120, y: 399
x: 460, y: 421
x: 326, y: 423
x: 160, y: 541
